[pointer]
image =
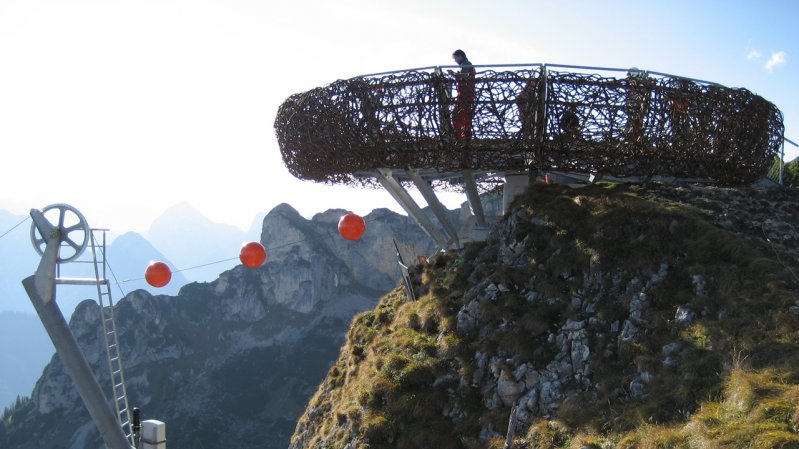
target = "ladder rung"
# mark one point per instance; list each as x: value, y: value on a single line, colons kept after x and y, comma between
x: 121, y: 398
x: 117, y: 372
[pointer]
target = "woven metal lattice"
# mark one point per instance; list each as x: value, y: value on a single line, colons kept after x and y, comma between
x: 635, y: 125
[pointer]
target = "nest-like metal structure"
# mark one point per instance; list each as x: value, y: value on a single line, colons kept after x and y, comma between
x: 635, y: 125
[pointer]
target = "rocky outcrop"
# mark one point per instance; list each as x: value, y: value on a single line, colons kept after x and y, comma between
x: 585, y: 305
x: 229, y: 363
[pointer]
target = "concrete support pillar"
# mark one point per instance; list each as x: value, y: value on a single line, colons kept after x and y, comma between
x: 515, y: 184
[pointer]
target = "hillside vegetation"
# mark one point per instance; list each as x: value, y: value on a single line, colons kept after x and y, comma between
x: 608, y: 316
x: 791, y: 174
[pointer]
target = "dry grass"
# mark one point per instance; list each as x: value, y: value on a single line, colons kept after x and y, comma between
x: 737, y: 385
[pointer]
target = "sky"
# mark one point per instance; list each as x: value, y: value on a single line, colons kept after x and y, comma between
x: 124, y: 109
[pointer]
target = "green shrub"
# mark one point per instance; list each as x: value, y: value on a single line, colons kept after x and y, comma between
x: 790, y: 174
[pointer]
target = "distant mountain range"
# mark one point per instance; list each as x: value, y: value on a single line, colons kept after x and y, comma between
x: 17, y: 259
x: 182, y: 237
x: 190, y: 241
x: 244, y: 352
x: 24, y: 351
x: 196, y: 248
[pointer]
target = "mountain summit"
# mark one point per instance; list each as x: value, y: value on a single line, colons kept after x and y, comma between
x: 609, y: 316
x: 190, y: 240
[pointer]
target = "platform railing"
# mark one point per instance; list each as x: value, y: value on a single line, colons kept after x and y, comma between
x: 620, y: 122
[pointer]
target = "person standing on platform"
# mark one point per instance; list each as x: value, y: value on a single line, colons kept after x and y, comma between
x: 464, y: 81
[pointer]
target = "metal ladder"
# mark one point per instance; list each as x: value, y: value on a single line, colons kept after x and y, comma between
x: 118, y: 391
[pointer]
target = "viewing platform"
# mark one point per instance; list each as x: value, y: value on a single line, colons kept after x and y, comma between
x: 399, y: 129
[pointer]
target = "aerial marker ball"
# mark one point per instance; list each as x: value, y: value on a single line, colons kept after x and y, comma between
x: 252, y: 254
x: 157, y: 274
x: 351, y: 227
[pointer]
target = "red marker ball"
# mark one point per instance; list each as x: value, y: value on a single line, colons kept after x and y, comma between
x: 252, y: 255
x: 158, y: 274
x: 351, y: 227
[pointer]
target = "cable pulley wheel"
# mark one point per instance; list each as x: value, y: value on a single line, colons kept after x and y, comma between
x: 73, y: 227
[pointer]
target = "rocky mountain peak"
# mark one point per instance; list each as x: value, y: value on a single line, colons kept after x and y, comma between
x: 586, y: 312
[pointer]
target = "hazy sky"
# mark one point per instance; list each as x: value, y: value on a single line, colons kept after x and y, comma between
x: 123, y: 109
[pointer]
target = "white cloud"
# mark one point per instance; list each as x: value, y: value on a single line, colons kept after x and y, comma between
x: 777, y: 59
x: 753, y: 54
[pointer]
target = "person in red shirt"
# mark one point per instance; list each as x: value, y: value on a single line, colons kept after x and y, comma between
x: 462, y: 113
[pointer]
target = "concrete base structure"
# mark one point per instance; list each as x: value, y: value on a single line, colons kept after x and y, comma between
x: 515, y: 184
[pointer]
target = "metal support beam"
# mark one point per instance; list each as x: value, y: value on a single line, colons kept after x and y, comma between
x: 80, y: 281
x: 432, y: 200
x: 409, y: 205
x: 67, y: 348
x: 46, y: 272
x: 474, y: 197
x: 41, y: 291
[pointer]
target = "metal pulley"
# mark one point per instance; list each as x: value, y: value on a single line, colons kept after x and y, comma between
x: 64, y: 222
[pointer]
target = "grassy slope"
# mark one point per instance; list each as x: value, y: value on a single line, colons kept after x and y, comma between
x: 405, y: 365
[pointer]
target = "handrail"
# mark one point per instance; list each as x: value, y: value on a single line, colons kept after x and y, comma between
x: 658, y: 124
x: 566, y: 66
x: 540, y: 64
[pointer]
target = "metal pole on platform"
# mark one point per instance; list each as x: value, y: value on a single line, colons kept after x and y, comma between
x: 782, y: 160
x: 542, y: 129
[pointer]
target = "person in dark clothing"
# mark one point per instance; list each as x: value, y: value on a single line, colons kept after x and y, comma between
x: 570, y: 123
x: 462, y: 113
x: 639, y: 90
x: 527, y: 102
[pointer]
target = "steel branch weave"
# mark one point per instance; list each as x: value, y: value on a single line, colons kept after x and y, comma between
x: 636, y: 125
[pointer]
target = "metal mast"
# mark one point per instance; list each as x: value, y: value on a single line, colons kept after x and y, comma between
x: 59, y: 241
